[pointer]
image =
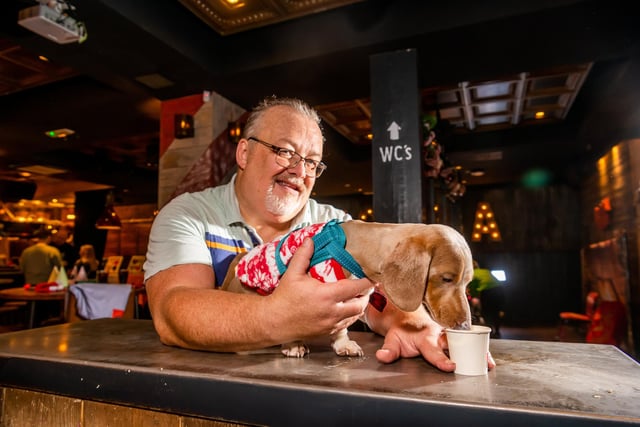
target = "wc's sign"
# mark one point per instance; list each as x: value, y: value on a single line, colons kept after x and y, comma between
x: 397, y: 152
x: 395, y: 149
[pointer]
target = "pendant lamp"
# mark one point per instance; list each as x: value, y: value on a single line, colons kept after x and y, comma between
x: 109, y: 219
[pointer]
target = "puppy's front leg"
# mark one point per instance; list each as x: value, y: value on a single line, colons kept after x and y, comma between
x: 294, y: 349
x: 344, y: 346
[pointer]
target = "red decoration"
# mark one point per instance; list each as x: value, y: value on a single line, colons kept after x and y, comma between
x: 602, y: 213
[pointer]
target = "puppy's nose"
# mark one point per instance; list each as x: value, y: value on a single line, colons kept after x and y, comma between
x: 466, y: 325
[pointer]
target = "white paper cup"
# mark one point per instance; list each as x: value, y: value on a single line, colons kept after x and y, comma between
x: 468, y: 349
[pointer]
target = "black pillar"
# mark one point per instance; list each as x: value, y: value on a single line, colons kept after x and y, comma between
x: 395, y: 120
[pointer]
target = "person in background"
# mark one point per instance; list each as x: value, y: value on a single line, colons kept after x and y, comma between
x: 38, y: 260
x: 87, y: 260
x: 487, y: 291
x: 196, y: 235
x: 62, y: 238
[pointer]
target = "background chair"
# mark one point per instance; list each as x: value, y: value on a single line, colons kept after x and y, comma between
x: 71, y: 306
x: 603, y: 322
x: 574, y: 326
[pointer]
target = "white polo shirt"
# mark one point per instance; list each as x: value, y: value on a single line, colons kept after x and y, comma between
x: 206, y: 227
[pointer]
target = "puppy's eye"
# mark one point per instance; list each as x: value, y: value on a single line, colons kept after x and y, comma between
x: 447, y: 278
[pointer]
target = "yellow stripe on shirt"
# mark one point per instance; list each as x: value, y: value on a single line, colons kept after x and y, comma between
x: 225, y: 247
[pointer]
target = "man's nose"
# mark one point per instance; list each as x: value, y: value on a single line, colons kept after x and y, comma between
x: 300, y: 169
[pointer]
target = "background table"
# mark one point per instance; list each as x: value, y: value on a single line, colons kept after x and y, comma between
x: 122, y: 362
x: 32, y: 297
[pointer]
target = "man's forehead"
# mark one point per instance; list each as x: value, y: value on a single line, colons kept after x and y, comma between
x: 292, y: 126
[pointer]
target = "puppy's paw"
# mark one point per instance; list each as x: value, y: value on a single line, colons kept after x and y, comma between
x: 294, y: 349
x: 351, y: 348
x: 343, y: 346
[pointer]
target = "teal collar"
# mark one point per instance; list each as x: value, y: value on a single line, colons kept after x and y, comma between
x: 329, y: 243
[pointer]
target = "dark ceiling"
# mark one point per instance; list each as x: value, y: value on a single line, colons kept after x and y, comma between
x: 324, y: 59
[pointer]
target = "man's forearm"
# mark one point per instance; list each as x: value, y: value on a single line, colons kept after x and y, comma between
x: 213, y: 320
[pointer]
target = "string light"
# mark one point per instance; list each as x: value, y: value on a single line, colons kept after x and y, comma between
x: 485, y: 223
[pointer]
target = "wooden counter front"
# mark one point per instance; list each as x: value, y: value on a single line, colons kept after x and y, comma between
x: 117, y: 363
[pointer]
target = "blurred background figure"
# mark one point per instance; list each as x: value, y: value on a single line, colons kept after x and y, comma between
x: 38, y: 260
x: 62, y: 239
x: 486, y: 299
x: 86, y: 262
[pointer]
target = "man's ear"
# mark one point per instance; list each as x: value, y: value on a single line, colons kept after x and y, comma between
x: 242, y: 153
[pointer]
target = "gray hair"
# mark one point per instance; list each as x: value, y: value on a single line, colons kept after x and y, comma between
x: 301, y: 107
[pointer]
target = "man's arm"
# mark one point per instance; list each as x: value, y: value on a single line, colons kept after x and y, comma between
x: 188, y: 312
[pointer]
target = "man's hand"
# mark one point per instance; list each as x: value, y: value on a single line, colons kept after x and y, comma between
x: 407, y: 340
x: 411, y: 335
x: 307, y: 307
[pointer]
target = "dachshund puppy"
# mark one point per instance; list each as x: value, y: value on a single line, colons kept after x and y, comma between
x: 428, y: 264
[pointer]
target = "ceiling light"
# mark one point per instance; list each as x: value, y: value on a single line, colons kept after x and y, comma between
x: 154, y: 81
x: 539, y: 115
x: 59, y: 133
x: 476, y: 172
x: 233, y: 4
x: 42, y: 170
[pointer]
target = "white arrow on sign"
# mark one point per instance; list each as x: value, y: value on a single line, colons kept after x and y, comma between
x: 394, y: 131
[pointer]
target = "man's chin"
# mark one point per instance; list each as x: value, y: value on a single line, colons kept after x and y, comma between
x: 284, y: 207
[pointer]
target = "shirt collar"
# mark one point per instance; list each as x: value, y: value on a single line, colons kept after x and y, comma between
x: 234, y: 216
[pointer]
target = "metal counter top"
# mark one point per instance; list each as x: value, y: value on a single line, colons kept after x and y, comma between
x: 123, y: 362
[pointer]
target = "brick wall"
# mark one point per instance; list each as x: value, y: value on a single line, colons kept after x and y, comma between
x: 615, y: 178
x: 191, y: 164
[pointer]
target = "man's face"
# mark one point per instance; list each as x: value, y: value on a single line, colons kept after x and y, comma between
x: 283, y: 191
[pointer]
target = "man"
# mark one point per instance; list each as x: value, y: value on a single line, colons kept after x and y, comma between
x: 62, y: 239
x: 38, y: 260
x: 278, y: 159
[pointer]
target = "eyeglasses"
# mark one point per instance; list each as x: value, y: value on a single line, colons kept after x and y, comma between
x: 290, y: 159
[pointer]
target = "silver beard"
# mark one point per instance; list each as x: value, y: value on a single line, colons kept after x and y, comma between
x: 281, y: 206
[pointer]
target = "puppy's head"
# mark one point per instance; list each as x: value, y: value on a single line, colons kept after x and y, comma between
x: 433, y: 268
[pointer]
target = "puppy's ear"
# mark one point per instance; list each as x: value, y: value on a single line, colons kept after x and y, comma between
x: 404, y: 273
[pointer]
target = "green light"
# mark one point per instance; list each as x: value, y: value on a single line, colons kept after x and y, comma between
x: 536, y: 178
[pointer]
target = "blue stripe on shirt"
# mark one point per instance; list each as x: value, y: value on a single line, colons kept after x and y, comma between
x: 223, y: 250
